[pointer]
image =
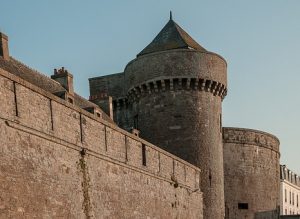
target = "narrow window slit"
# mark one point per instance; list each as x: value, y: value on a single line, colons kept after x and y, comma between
x: 144, y: 161
x: 15, y: 98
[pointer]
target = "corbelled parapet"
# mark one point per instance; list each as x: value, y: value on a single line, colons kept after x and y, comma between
x: 163, y: 84
x: 203, y: 69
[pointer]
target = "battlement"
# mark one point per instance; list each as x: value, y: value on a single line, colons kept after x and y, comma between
x: 162, y: 84
x: 179, y: 63
x: 251, y: 137
x: 32, y: 110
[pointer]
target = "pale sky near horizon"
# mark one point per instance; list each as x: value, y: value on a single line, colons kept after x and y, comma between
x: 259, y: 39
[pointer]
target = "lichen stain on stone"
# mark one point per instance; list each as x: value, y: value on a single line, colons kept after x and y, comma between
x: 86, y: 205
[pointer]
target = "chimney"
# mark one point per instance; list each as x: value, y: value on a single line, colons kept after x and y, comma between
x: 105, y: 102
x: 65, y: 79
x: 4, y: 46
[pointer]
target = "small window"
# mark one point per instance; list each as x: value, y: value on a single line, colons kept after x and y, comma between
x: 243, y: 205
x: 144, y: 161
x: 98, y: 115
x: 70, y: 100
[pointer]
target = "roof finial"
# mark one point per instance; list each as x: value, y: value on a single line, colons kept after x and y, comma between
x: 171, y: 15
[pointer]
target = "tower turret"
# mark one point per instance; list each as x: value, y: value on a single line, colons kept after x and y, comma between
x: 175, y: 89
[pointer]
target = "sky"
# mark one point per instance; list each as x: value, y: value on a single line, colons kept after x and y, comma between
x: 259, y: 39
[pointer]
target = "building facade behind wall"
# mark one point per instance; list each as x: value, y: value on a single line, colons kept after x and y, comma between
x: 289, y: 192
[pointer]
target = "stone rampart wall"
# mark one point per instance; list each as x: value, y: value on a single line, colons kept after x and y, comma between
x: 60, y: 161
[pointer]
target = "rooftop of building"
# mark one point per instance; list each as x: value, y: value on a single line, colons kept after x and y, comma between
x: 42, y: 81
x: 288, y: 175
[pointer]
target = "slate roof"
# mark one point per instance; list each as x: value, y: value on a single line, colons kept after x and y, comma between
x: 172, y: 36
x: 44, y: 82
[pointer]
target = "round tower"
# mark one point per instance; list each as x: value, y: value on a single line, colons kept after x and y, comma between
x: 251, y: 169
x: 176, y: 87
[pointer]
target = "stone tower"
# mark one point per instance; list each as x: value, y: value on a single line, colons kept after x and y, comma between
x: 175, y: 89
x: 251, y: 174
x: 172, y: 93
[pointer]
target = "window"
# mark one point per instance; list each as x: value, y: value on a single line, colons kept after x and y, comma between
x: 70, y: 100
x: 243, y: 205
x: 293, y: 201
x: 285, y: 195
x: 144, y: 161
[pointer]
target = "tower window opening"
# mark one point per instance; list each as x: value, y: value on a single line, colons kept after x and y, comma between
x: 243, y: 205
x: 144, y: 161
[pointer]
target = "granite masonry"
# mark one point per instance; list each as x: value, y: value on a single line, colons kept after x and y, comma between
x: 149, y: 143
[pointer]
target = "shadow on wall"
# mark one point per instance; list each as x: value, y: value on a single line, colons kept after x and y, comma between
x: 274, y: 214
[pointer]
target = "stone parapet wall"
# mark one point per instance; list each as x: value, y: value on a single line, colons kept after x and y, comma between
x: 112, y: 170
x: 250, y: 137
x: 174, y: 63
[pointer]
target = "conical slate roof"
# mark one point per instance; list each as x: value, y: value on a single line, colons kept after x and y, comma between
x: 172, y: 36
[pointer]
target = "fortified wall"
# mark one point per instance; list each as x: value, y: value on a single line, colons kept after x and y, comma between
x: 60, y: 161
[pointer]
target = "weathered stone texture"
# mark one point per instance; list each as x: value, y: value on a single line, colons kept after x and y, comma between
x: 38, y: 178
x: 7, y: 98
x: 175, y: 97
x: 112, y: 84
x: 174, y: 63
x: 251, y: 171
x: 58, y: 161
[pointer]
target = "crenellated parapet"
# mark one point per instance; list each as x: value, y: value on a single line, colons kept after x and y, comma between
x: 250, y: 137
x: 177, y: 83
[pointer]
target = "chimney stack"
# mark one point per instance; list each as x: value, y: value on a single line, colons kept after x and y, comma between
x: 105, y: 102
x: 4, y: 46
x: 64, y: 78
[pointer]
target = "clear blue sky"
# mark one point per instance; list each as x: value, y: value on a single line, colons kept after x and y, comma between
x: 259, y: 39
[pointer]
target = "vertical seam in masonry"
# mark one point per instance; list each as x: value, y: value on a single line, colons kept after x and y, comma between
x: 81, y: 134
x: 105, y: 137
x: 15, y: 98
x: 51, y: 115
